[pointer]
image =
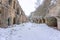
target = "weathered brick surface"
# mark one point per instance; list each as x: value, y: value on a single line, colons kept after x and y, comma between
x: 11, y: 13
x: 55, y: 12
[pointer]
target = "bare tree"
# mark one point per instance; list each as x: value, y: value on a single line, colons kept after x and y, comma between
x: 42, y: 9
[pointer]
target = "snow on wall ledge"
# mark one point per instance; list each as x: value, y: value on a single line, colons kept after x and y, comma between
x: 29, y: 31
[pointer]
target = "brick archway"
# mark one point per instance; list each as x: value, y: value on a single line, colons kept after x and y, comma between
x: 14, y: 20
x: 51, y: 21
x: 43, y: 20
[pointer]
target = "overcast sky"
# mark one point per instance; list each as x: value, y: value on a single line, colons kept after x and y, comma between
x: 28, y: 6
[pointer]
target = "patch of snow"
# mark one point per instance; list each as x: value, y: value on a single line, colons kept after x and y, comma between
x: 29, y: 31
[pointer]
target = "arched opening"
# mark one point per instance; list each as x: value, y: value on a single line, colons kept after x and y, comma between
x: 8, y: 21
x: 51, y: 21
x: 36, y: 21
x: 43, y: 20
x: 18, y: 11
x: 14, y: 5
x: 40, y: 21
x: 0, y: 21
x: 14, y: 21
x: 0, y: 11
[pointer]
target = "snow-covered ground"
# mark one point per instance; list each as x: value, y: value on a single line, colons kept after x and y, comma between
x: 29, y: 31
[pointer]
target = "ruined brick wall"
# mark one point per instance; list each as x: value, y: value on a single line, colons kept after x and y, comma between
x: 23, y: 18
x: 10, y: 12
x: 54, y: 11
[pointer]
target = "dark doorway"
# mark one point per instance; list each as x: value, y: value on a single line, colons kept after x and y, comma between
x: 40, y: 21
x: 14, y: 21
x: 8, y: 21
x: 52, y: 21
x: 18, y: 11
x: 14, y: 5
x: 43, y: 20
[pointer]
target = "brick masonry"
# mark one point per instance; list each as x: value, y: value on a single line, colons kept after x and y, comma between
x: 11, y: 13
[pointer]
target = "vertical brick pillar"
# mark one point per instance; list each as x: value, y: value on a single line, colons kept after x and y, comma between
x: 58, y: 23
